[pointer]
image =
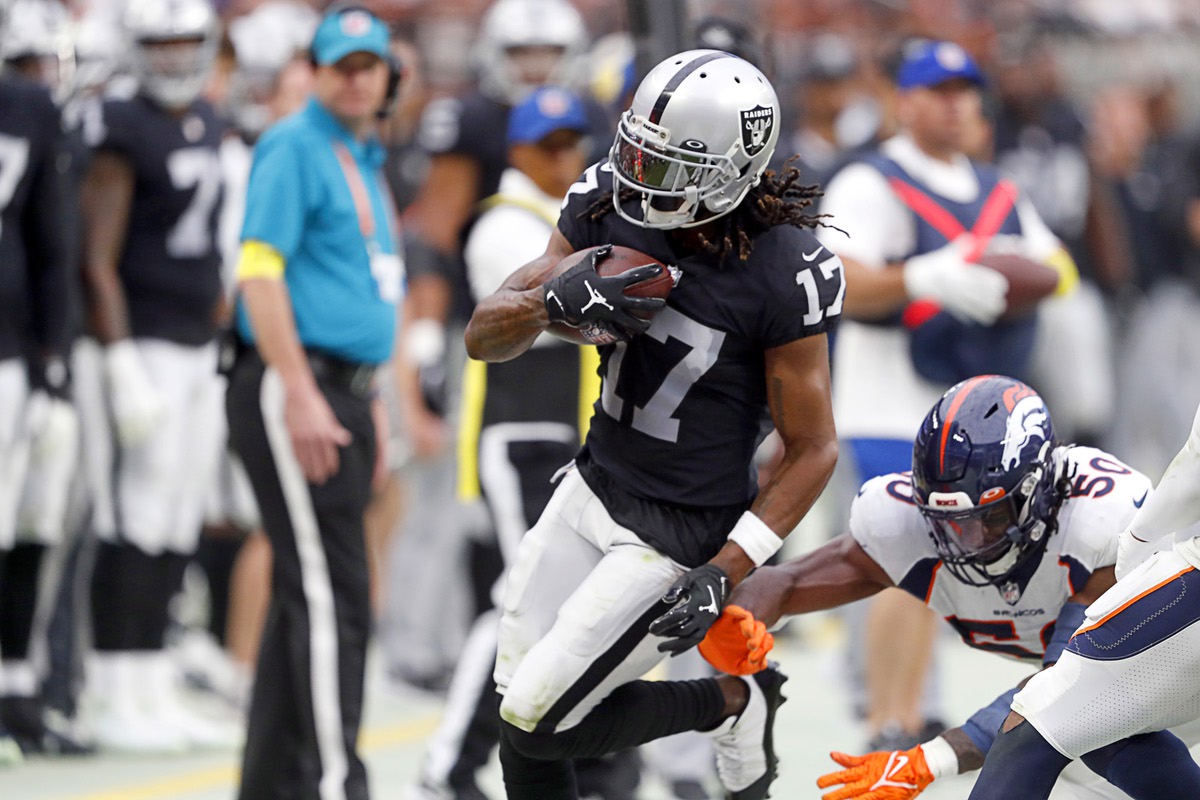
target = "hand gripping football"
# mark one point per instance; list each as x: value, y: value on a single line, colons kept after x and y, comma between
x: 619, y: 261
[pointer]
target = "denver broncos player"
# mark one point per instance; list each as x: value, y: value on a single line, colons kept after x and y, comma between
x: 151, y: 199
x: 1004, y: 532
x: 1130, y: 669
x: 662, y: 495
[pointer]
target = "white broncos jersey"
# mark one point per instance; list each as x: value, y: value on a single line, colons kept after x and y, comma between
x: 1016, y: 618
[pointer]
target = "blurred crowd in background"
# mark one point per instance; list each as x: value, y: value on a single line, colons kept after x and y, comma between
x: 1092, y: 106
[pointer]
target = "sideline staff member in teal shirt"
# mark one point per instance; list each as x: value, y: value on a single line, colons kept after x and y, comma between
x: 319, y: 280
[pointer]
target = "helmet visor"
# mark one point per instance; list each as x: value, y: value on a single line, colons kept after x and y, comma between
x: 980, y: 534
x: 643, y: 158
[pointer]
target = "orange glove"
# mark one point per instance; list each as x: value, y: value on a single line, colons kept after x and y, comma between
x: 898, y: 775
x: 737, y: 643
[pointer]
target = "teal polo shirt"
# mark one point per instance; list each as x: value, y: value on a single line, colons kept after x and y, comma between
x: 300, y: 202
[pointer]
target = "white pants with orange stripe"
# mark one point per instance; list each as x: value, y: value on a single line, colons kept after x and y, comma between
x: 1132, y: 667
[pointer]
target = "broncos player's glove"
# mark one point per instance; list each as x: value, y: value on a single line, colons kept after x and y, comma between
x: 582, y: 298
x: 898, y: 775
x: 737, y: 643
x: 701, y: 594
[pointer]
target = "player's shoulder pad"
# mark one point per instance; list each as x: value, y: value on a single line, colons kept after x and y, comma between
x: 794, y: 268
x: 595, y: 181
x: 1105, y: 493
x: 886, y: 523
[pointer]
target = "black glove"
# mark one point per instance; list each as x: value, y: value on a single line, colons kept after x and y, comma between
x: 701, y: 594
x: 582, y: 298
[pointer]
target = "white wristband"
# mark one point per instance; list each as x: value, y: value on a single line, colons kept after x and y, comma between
x: 425, y: 342
x: 940, y: 757
x: 753, y: 536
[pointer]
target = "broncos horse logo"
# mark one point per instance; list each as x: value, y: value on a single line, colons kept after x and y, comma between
x: 1026, y: 421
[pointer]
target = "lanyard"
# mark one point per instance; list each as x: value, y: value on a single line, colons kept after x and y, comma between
x: 361, y: 197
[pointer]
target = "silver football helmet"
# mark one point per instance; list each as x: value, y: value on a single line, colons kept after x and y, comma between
x: 524, y: 44
x: 173, y: 46
x: 38, y: 32
x: 700, y: 131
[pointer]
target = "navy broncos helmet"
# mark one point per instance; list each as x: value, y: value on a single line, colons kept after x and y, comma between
x: 984, y: 478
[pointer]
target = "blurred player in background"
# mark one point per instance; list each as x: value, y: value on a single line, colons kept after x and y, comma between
x: 37, y: 425
x: 912, y: 213
x: 662, y: 496
x: 1007, y: 533
x: 1131, y: 669
x: 151, y: 201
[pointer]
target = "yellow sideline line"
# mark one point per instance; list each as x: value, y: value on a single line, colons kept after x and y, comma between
x: 226, y: 777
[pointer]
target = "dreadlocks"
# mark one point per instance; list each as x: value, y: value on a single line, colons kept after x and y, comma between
x: 775, y: 200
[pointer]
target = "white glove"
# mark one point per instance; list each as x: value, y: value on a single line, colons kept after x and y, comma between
x: 968, y: 291
x: 137, y: 405
x: 1132, y: 551
x: 57, y: 431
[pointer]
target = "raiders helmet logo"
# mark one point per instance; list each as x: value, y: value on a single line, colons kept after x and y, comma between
x: 757, y: 124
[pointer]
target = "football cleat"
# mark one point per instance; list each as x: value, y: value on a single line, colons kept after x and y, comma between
x: 745, y: 744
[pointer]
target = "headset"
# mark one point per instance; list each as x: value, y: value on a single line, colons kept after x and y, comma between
x: 394, y: 65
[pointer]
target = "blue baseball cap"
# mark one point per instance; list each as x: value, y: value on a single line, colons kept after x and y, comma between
x: 931, y: 63
x: 545, y: 111
x: 351, y: 30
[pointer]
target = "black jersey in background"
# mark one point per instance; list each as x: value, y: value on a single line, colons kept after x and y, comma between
x: 170, y: 267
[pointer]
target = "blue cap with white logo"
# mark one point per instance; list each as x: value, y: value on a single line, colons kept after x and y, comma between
x: 932, y: 63
x: 545, y: 111
x: 351, y: 30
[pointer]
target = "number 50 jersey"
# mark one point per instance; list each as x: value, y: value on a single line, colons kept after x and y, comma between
x: 683, y: 405
x: 170, y: 267
x: 1017, y: 618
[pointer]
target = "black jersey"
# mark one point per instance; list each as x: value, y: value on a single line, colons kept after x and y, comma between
x: 170, y: 268
x: 35, y: 237
x: 682, y: 406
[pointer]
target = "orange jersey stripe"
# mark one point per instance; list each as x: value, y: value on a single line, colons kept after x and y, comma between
x: 932, y: 581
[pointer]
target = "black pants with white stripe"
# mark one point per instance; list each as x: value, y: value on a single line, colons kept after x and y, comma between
x: 308, y: 690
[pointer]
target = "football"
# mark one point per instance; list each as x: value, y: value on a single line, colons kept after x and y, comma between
x: 619, y: 261
x: 1029, y: 282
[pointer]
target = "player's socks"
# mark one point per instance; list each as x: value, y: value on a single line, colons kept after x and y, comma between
x: 123, y: 580
x: 18, y: 598
x: 1152, y: 766
x: 635, y: 713
x: 1021, y: 765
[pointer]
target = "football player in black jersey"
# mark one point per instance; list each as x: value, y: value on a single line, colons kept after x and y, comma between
x: 35, y: 278
x: 151, y: 199
x: 658, y: 520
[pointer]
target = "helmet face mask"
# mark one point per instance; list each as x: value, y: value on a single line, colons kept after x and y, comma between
x: 526, y: 44
x: 984, y: 478
x: 673, y: 181
x: 174, y: 44
x: 699, y: 134
x: 984, y: 545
